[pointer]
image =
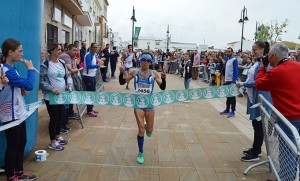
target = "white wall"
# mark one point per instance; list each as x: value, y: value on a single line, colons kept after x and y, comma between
x: 247, y: 45
x: 143, y: 43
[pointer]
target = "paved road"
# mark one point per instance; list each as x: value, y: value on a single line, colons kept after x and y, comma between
x: 191, y: 141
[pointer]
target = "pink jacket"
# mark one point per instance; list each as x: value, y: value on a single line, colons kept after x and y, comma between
x: 196, y: 59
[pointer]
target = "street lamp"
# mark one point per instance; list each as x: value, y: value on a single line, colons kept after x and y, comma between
x: 133, y: 20
x: 257, y: 29
x: 168, y: 32
x: 242, y: 20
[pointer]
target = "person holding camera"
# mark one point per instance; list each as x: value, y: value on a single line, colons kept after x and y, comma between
x: 144, y: 80
x: 283, y: 83
x: 259, y: 49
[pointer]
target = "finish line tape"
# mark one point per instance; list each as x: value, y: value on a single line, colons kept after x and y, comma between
x: 142, y: 100
x: 30, y: 109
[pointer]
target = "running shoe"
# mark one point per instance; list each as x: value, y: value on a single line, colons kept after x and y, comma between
x: 231, y: 114
x: 250, y: 150
x: 226, y: 111
x: 149, y: 134
x: 250, y: 158
x: 140, y: 158
x: 26, y: 177
x: 73, y: 116
x: 63, y: 131
x: 96, y: 112
x: 91, y: 114
x: 62, y: 141
x: 15, y: 178
x: 55, y: 146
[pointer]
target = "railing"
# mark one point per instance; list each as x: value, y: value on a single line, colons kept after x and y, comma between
x: 282, y: 143
x: 99, y: 87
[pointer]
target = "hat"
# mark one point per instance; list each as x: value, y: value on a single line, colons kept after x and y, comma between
x: 147, y: 57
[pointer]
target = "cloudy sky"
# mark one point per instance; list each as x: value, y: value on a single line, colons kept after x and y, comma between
x: 196, y: 21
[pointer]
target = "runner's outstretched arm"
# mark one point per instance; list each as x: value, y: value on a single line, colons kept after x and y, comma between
x: 122, y: 78
x: 161, y: 81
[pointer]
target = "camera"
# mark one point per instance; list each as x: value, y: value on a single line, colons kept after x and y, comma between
x: 264, y: 59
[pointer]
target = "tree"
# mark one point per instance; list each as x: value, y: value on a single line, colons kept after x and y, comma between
x: 271, y: 33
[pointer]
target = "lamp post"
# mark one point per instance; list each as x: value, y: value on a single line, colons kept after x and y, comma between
x: 168, y: 32
x: 257, y: 29
x: 133, y: 20
x: 242, y: 20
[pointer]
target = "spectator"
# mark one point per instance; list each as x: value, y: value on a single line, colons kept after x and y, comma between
x: 13, y: 108
x: 114, y: 55
x: 89, y: 74
x: 106, y: 62
x: 77, y: 57
x: 212, y: 72
x: 283, y: 83
x: 259, y: 49
x: 82, y: 54
x: 69, y: 58
x: 231, y: 75
x: 187, y: 71
x: 55, y: 78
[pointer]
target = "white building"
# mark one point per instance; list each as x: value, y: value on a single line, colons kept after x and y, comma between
x: 153, y: 43
x: 236, y: 46
x: 92, y: 33
x: 117, y: 41
x: 65, y: 21
x: 105, y: 36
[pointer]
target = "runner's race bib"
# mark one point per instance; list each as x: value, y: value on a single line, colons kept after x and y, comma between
x: 143, y: 88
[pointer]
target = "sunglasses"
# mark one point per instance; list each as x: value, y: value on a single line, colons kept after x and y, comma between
x: 148, y: 60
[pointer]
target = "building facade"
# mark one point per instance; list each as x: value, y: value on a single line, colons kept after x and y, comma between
x: 152, y: 43
x: 65, y: 21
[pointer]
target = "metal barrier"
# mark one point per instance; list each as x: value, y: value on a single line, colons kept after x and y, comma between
x: 282, y: 143
x: 99, y: 87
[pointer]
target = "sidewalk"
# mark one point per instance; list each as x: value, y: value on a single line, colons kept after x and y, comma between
x: 191, y: 141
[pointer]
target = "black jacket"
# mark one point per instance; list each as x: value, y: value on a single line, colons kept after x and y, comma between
x: 114, y: 56
x: 106, y: 53
x: 188, y: 74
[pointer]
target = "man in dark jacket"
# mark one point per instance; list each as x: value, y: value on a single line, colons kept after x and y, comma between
x: 107, y: 56
x: 82, y: 53
x: 114, y: 55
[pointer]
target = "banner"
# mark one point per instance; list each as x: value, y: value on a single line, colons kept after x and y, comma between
x: 137, y: 33
x: 142, y: 100
x: 30, y: 109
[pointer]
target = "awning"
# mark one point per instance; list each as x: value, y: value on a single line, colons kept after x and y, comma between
x: 72, y: 6
x: 84, y: 20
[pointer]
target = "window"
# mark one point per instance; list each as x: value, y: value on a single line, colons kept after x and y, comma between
x: 52, y: 34
x: 57, y: 15
x: 157, y: 43
x: 67, y: 21
x: 65, y: 37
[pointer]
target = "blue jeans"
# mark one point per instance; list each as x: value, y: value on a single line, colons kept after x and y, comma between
x: 187, y: 83
x: 287, y: 157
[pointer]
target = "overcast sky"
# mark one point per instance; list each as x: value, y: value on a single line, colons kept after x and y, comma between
x: 192, y: 21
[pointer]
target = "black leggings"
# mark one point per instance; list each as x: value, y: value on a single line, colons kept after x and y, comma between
x: 90, y: 84
x: 57, y: 114
x: 230, y: 100
x: 16, y: 141
x: 258, y: 136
